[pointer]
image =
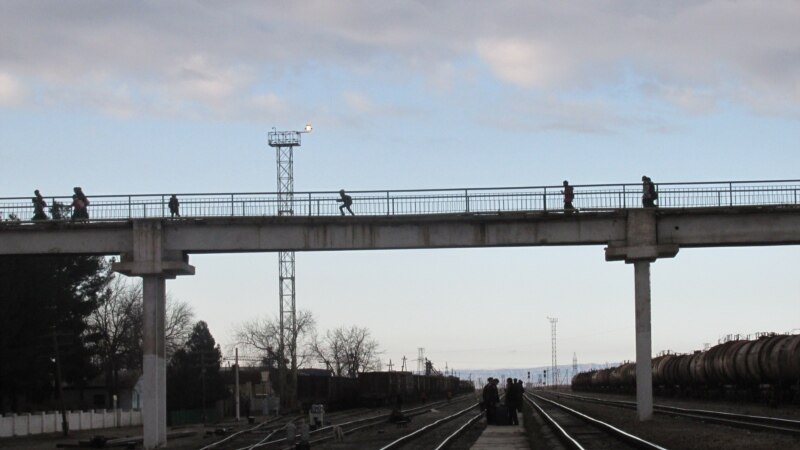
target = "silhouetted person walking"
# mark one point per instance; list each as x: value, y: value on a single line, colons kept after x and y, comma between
x: 649, y: 194
x: 569, y: 195
x: 38, y: 206
x: 174, y: 205
x: 346, y: 201
x: 79, y: 207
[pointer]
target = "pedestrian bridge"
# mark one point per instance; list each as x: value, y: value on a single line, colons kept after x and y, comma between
x: 155, y: 246
x: 598, y: 197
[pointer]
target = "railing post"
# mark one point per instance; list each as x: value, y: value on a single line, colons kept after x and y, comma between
x: 624, y: 198
x: 719, y: 198
x: 387, y: 204
x: 466, y: 200
x: 232, y: 205
x: 144, y: 209
x: 130, y: 212
x: 544, y: 199
x: 730, y: 193
x: 162, y: 206
x: 309, y: 203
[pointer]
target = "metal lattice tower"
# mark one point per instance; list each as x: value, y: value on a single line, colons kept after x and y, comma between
x: 553, y: 351
x: 284, y: 143
x: 420, y: 360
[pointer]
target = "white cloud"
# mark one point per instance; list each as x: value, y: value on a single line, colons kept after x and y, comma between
x: 189, y: 58
x: 522, y: 62
x: 12, y: 92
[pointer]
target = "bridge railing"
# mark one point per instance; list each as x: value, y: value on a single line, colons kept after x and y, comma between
x: 416, y: 202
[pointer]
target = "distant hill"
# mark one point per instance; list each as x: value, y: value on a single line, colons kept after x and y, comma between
x: 536, y: 373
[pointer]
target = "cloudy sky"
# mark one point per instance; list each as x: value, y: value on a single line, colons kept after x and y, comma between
x: 162, y: 97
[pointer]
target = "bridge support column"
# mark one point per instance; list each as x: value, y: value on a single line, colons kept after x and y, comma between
x: 644, y: 347
x: 155, y: 266
x: 640, y: 249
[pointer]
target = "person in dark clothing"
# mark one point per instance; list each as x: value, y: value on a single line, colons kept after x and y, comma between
x: 173, y: 206
x: 38, y: 206
x: 346, y: 201
x: 79, y: 208
x: 520, y: 395
x: 490, y: 400
x: 511, y: 402
x: 569, y: 195
x: 649, y: 194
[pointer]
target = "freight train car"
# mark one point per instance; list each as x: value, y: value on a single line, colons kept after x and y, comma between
x: 333, y: 392
x: 769, y: 364
x: 381, y: 388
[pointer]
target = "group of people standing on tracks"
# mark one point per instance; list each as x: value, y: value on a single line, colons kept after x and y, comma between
x: 649, y: 195
x: 513, y: 401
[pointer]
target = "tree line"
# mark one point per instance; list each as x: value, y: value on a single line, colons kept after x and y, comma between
x: 76, y: 313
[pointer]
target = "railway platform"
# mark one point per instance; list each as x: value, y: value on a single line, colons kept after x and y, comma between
x: 509, y: 437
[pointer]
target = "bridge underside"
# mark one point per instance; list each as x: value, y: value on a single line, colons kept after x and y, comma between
x: 676, y: 227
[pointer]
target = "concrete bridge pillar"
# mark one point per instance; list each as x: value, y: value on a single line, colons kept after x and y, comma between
x: 641, y: 248
x: 155, y: 266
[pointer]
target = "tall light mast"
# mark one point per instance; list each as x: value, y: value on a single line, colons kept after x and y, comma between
x: 553, y: 352
x: 284, y: 143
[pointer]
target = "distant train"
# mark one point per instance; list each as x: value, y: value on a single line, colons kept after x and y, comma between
x: 375, y: 389
x: 770, y: 363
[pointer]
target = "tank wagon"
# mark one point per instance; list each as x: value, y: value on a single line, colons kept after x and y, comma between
x: 770, y: 363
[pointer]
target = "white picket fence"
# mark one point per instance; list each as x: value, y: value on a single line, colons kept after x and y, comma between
x: 50, y: 422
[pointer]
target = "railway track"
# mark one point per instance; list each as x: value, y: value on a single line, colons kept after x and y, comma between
x: 388, y: 435
x: 758, y: 423
x: 579, y: 431
x: 272, y: 434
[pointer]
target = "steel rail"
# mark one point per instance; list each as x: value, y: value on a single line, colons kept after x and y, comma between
x: 402, y: 440
x: 410, y: 412
x: 763, y: 423
x: 449, y: 439
x: 616, y: 432
x: 246, y: 430
x: 561, y: 432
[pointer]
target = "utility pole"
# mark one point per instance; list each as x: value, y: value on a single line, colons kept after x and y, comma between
x: 403, y: 368
x: 236, y: 380
x: 64, y: 423
x: 574, y: 364
x: 553, y: 351
x: 284, y: 143
x: 390, y: 365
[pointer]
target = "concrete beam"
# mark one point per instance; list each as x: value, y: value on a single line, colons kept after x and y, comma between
x: 395, y: 232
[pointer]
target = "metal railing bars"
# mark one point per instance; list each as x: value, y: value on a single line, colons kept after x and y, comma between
x: 493, y: 200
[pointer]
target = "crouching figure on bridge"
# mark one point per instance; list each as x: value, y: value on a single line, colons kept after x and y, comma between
x: 649, y: 194
x: 346, y: 202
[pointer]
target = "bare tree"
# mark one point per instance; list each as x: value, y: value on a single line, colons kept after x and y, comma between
x: 116, y: 326
x: 262, y: 336
x: 113, y: 327
x: 346, y: 351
